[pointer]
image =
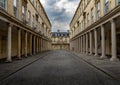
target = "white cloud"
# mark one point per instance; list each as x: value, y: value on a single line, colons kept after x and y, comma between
x: 60, y: 12
x: 67, y: 5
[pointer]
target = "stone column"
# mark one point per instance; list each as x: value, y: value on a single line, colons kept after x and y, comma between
x: 78, y: 44
x: 103, y: 42
x: 96, y: 43
x: 9, y: 43
x: 90, y: 43
x: 30, y: 44
x: 19, y: 43
x: 37, y: 44
x: 84, y: 37
x: 25, y: 44
x: 113, y: 36
x: 86, y: 43
x: 34, y: 45
x: 41, y: 45
x: 81, y: 45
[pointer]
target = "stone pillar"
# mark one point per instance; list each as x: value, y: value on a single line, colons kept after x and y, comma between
x: 30, y: 44
x: 113, y: 36
x: 9, y: 43
x: 25, y: 44
x: 37, y: 44
x: 90, y: 43
x: 78, y: 44
x: 81, y: 45
x: 96, y: 43
x: 86, y: 43
x: 34, y: 45
x: 103, y: 42
x: 42, y: 44
x: 19, y: 43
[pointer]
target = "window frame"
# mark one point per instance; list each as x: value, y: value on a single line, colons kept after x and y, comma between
x: 5, y: 5
x: 15, y: 8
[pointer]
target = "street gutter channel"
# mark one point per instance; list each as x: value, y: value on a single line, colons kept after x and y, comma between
x: 108, y: 74
x: 24, y: 66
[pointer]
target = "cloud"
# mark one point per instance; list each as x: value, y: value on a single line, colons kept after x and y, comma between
x: 60, y: 12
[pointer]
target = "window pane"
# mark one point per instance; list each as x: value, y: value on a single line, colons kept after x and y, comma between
x: 3, y: 4
x: 15, y: 3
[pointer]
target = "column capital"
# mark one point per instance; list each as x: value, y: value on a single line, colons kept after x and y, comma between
x: 10, y: 24
x: 112, y: 21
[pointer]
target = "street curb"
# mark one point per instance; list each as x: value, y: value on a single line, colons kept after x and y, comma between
x: 98, y: 68
x: 4, y: 78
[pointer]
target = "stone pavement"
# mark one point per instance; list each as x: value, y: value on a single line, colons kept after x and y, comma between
x: 59, y: 68
x: 7, y: 69
x: 107, y: 66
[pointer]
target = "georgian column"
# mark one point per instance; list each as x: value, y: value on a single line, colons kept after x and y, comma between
x: 41, y: 45
x: 34, y: 45
x: 90, y: 43
x: 19, y: 43
x: 25, y: 44
x: 86, y: 43
x: 37, y: 44
x: 30, y: 44
x: 78, y: 44
x: 103, y: 42
x: 96, y: 43
x: 81, y: 45
x: 113, y: 36
x: 9, y: 43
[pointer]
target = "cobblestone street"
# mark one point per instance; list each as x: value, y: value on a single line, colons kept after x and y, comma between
x: 58, y: 68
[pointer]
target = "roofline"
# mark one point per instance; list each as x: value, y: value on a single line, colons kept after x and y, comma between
x: 75, y: 12
x: 45, y: 13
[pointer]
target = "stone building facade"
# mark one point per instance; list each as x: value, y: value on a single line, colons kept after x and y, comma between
x: 95, y: 28
x: 60, y: 40
x: 24, y: 28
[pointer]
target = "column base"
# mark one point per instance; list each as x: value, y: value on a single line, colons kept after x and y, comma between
x: 8, y: 61
x: 86, y: 53
x: 103, y: 57
x: 30, y: 54
x: 96, y: 55
x: 19, y: 58
x: 90, y: 54
x: 114, y: 59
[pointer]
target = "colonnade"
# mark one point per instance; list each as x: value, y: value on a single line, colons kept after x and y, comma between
x: 37, y: 43
x: 86, y: 42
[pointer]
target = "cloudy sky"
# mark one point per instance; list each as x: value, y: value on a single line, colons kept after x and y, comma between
x: 60, y: 12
